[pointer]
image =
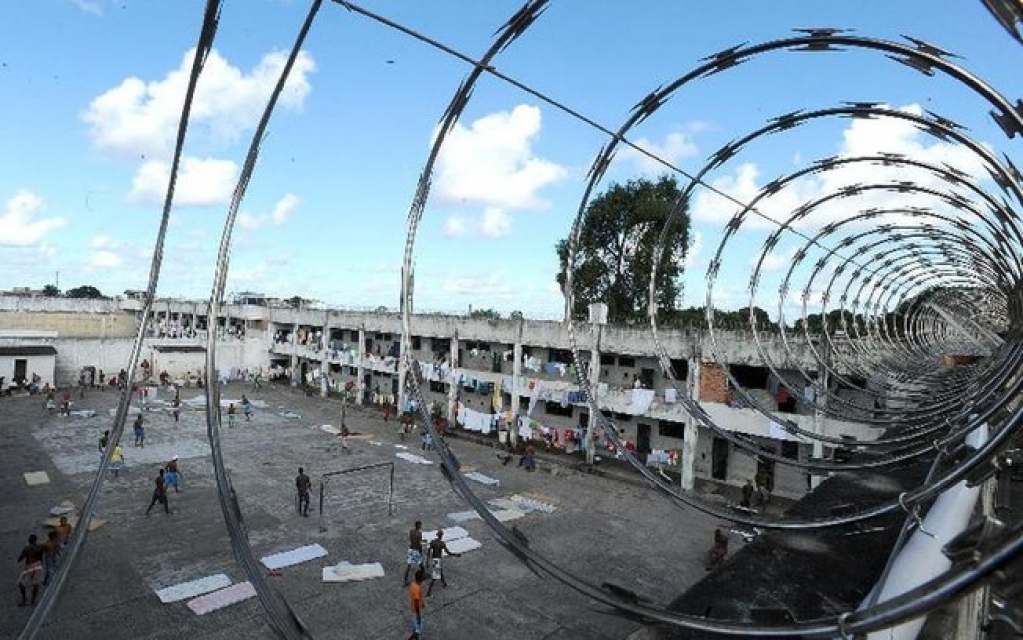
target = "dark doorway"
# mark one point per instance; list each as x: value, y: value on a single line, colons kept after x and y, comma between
x: 719, y: 459
x: 642, y: 439
x: 765, y: 474
x: 584, y: 419
x: 20, y: 369
x: 646, y: 378
x: 394, y: 387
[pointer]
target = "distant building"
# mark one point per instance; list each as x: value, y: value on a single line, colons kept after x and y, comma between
x: 23, y: 292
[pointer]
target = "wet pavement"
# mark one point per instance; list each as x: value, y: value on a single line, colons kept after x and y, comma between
x: 603, y: 530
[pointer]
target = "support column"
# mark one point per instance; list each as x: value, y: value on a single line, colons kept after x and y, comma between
x: 820, y: 402
x: 294, y: 350
x: 324, y: 365
x: 402, y: 367
x: 691, y: 435
x: 360, y: 386
x: 513, y: 428
x: 594, y: 377
x: 453, y: 382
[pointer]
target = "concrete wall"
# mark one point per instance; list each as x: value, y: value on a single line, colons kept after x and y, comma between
x: 71, y: 324
x: 43, y: 365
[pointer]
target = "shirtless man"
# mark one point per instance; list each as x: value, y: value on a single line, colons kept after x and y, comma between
x: 414, y: 557
x: 437, y: 550
x: 64, y: 531
x: 33, y: 574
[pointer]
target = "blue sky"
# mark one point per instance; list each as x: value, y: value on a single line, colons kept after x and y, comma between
x: 92, y: 91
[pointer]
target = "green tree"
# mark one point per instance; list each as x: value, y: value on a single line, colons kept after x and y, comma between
x: 485, y: 314
x: 84, y: 291
x: 51, y: 291
x: 613, y: 260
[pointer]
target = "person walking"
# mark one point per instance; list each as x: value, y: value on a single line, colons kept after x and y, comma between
x: 303, y: 485
x: 159, y: 494
x: 32, y: 575
x: 415, y: 593
x: 176, y: 407
x: 230, y: 414
x: 436, y: 552
x: 414, y: 556
x: 103, y: 441
x: 173, y: 475
x: 247, y: 409
x: 51, y: 556
x: 117, y: 460
x: 140, y: 432
x: 343, y: 438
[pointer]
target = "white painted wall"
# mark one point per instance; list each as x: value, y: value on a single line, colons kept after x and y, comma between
x: 40, y: 364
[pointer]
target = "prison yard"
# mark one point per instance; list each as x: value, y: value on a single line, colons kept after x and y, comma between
x: 602, y: 528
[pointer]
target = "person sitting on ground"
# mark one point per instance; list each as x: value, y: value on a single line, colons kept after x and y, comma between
x: 64, y: 531
x: 718, y: 551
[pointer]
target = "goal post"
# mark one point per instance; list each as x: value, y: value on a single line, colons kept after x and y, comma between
x: 325, y: 479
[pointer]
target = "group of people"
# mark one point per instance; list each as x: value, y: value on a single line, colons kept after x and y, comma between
x: 168, y: 476
x: 40, y: 561
x: 414, y: 559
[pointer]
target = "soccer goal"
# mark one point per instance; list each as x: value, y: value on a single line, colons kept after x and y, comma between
x: 337, y: 494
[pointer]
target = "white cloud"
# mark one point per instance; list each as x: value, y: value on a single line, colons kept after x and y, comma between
x: 88, y: 6
x: 456, y: 226
x: 676, y: 146
x: 479, y: 288
x: 20, y: 222
x: 281, y: 212
x: 101, y: 242
x: 284, y: 208
x: 695, y: 249
x: 106, y: 259
x: 139, y: 119
x: 493, y: 223
x: 201, y: 182
x: 861, y: 137
x: 774, y: 260
x: 492, y: 163
x: 248, y: 221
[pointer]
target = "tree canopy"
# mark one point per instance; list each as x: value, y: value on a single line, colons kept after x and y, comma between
x: 84, y: 291
x: 51, y: 291
x: 620, y: 230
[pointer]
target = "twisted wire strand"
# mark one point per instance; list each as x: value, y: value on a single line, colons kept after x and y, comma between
x: 207, y: 35
x: 283, y: 618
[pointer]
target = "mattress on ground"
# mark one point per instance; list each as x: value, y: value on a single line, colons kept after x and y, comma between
x: 223, y: 598
x: 293, y: 557
x: 193, y: 588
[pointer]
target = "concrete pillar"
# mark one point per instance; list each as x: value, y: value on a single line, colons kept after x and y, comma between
x: 403, y: 356
x: 453, y: 385
x: 691, y: 435
x: 360, y: 353
x: 294, y: 350
x: 324, y: 365
x: 594, y: 376
x: 820, y: 402
x: 516, y: 390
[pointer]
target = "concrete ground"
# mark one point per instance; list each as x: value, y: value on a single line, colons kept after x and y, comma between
x: 604, y: 530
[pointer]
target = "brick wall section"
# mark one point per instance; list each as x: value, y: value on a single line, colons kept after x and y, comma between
x: 713, y: 383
